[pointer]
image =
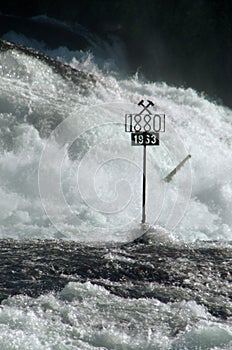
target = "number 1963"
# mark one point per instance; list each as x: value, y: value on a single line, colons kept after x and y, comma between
x: 145, y: 138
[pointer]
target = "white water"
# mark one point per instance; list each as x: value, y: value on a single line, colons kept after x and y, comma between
x: 79, y: 195
x: 83, y: 316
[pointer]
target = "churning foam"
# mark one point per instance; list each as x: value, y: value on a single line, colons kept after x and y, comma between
x: 89, y: 186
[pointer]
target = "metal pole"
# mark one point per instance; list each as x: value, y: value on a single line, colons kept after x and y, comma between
x: 144, y: 184
x: 169, y: 177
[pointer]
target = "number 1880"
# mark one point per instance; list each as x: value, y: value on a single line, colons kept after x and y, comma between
x: 145, y: 123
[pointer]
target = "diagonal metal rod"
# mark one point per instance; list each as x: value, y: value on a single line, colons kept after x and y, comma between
x: 169, y: 177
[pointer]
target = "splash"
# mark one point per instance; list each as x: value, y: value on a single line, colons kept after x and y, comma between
x: 90, y: 177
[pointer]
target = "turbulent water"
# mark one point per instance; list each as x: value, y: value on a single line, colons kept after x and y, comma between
x: 69, y: 175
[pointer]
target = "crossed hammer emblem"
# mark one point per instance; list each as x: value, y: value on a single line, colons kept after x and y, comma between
x: 145, y: 108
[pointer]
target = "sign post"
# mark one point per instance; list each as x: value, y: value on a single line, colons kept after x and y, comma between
x: 144, y: 184
x: 145, y: 128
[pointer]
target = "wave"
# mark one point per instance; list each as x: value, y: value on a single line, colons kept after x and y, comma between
x: 150, y: 270
x: 80, y: 135
x: 69, y: 173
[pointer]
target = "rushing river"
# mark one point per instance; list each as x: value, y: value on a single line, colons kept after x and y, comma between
x: 74, y: 272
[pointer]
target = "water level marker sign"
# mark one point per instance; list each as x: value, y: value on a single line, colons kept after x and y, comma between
x: 145, y: 128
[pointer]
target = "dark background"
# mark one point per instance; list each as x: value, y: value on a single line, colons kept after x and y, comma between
x: 182, y: 42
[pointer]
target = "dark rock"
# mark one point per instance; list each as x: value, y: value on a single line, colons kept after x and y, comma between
x: 181, y: 42
x: 78, y: 77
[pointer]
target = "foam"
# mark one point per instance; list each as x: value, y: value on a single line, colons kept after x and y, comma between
x: 33, y: 102
x: 86, y: 316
